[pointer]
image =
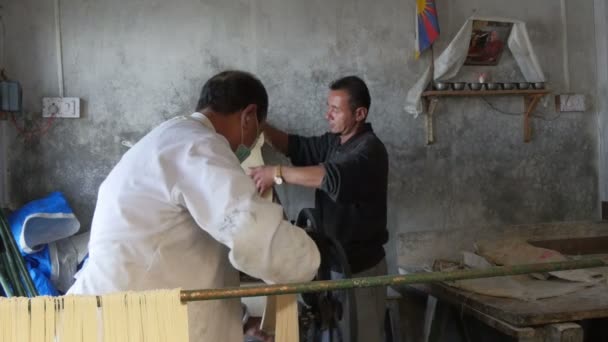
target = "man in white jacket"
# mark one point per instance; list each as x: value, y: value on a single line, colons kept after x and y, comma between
x: 178, y: 211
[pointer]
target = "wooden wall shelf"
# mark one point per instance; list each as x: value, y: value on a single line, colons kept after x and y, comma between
x: 431, y: 99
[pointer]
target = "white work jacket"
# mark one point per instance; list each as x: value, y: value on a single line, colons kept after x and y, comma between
x: 178, y: 211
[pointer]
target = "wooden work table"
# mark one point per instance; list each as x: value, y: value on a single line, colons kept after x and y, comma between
x: 580, y: 305
x: 551, y: 319
x: 525, y: 321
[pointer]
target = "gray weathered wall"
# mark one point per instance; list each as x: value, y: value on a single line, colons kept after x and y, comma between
x: 136, y: 63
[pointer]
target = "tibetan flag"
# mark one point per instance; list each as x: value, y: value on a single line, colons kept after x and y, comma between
x: 427, y: 25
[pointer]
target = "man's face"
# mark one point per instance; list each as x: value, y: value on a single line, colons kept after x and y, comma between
x: 339, y: 115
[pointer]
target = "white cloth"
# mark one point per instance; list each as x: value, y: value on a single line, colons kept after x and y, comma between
x: 178, y: 211
x: 453, y: 57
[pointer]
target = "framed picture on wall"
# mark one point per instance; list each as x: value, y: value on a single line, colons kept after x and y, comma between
x: 488, y: 41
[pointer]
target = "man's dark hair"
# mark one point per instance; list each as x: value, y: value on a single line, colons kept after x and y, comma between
x: 233, y: 90
x: 356, y: 89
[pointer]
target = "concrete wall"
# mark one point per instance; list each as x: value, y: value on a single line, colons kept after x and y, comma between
x: 136, y: 63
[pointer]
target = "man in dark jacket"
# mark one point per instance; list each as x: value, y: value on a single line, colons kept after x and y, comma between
x: 348, y: 167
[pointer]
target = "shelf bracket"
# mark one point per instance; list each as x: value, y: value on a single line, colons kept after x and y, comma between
x: 530, y: 102
x: 430, y: 106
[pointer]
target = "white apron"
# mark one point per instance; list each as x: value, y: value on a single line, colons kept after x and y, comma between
x: 178, y: 211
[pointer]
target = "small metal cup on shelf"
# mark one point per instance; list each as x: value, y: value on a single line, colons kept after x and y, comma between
x: 538, y: 85
x: 458, y: 85
x: 523, y: 85
x: 494, y: 86
x: 442, y: 85
x: 508, y: 86
x: 475, y: 86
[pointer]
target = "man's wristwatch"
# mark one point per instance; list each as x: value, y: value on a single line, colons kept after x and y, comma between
x: 278, y: 175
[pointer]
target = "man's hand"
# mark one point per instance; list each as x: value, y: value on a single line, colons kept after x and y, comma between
x: 252, y: 328
x: 263, y: 177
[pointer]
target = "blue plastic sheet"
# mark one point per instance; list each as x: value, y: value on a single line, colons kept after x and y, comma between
x: 48, y: 218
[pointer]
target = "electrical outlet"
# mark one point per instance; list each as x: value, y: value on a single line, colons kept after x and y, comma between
x: 570, y: 103
x: 61, y: 107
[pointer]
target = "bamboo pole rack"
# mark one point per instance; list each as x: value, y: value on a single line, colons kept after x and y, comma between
x: 389, y: 280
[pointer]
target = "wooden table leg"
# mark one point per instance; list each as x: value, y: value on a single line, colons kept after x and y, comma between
x: 563, y: 332
x: 429, y: 316
x: 558, y: 332
x: 436, y: 320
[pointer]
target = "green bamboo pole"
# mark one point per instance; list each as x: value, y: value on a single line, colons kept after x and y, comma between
x: 6, y: 287
x: 18, y: 260
x: 9, y: 263
x: 13, y: 276
x: 428, y: 277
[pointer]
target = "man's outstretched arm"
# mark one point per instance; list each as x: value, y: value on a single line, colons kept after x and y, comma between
x: 308, y: 176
